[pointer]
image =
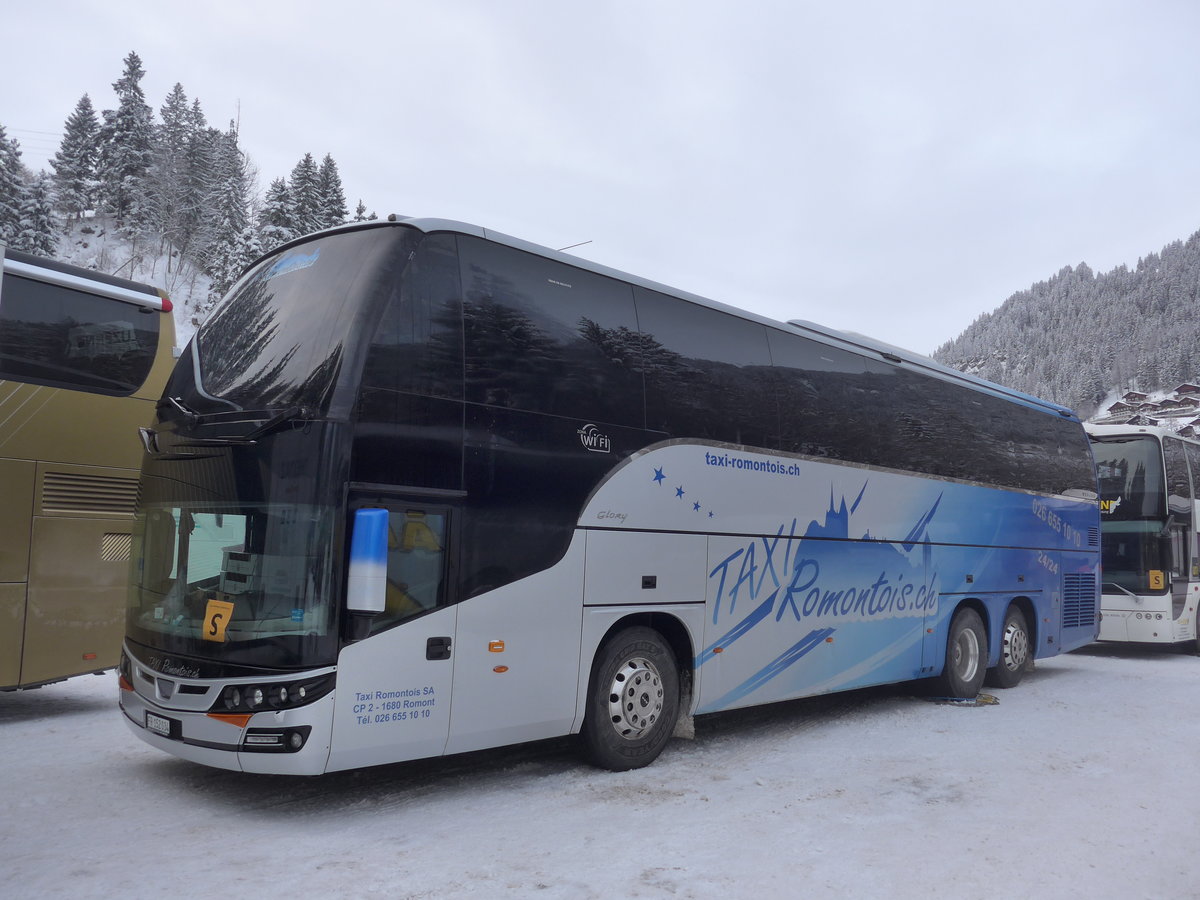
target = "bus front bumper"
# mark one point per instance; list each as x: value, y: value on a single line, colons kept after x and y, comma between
x: 1139, y: 627
x: 221, y: 741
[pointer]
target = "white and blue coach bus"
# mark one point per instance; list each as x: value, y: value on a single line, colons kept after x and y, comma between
x: 1150, y: 535
x: 417, y: 488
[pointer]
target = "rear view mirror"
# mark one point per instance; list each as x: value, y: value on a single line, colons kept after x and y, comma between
x: 366, y: 586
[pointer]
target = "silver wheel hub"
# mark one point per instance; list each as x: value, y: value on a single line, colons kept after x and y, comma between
x: 1015, y: 648
x: 635, y: 698
x: 966, y: 654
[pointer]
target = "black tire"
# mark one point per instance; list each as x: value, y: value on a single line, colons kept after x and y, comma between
x: 633, y: 700
x: 1016, y: 651
x: 1191, y: 647
x: 966, y: 657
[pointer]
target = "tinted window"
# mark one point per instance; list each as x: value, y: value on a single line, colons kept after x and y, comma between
x: 1179, y: 486
x: 1193, y: 455
x: 528, y: 477
x: 407, y: 439
x: 838, y: 404
x: 66, y: 338
x: 417, y: 346
x: 1071, y: 467
x: 416, y: 564
x: 995, y: 441
x: 546, y: 337
x: 412, y: 378
x: 831, y: 402
x: 282, y: 336
x: 707, y: 372
x: 1131, y: 477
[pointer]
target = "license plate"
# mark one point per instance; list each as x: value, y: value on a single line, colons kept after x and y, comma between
x: 158, y: 724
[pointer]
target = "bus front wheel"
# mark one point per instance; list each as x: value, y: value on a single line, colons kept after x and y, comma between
x: 966, y: 656
x: 1014, y: 652
x: 633, y: 700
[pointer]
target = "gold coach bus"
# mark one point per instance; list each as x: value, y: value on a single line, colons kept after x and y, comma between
x: 83, y: 358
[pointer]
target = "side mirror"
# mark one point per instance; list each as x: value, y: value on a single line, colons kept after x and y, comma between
x: 366, y: 586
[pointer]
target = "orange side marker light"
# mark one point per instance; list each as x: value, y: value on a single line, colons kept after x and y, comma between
x: 238, y: 719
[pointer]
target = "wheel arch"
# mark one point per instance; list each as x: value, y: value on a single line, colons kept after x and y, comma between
x: 676, y: 630
x: 670, y: 627
x: 980, y: 607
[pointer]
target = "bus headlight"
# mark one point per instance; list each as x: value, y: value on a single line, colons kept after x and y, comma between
x: 276, y: 740
x: 278, y: 695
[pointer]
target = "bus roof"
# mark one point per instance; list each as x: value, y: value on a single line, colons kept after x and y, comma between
x: 850, y: 341
x: 51, y: 271
x: 1158, y: 431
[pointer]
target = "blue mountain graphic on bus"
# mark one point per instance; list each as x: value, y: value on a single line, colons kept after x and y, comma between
x: 874, y: 592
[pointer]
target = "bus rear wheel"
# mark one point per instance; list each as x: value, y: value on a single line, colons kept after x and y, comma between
x: 633, y: 700
x: 1014, y: 652
x: 966, y: 656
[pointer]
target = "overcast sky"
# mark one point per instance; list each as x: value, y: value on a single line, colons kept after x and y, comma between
x: 893, y: 168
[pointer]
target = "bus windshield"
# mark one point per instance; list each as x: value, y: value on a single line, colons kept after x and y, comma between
x: 1131, y: 551
x: 232, y: 580
x: 1130, y: 471
x: 278, y: 338
x: 1135, y: 541
x: 233, y: 583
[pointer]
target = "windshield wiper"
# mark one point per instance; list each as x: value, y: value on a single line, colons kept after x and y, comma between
x: 283, y: 417
x: 1113, y: 584
x: 189, y: 415
x: 273, y: 423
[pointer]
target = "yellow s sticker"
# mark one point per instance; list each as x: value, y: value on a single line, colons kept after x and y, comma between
x: 216, y: 619
x: 1157, y: 582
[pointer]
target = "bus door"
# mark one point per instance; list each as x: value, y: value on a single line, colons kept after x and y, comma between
x: 1180, y: 524
x: 1181, y: 565
x: 1190, y: 625
x: 393, y: 684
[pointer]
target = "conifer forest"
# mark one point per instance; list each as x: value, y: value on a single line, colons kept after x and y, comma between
x: 169, y: 199
x: 1080, y: 336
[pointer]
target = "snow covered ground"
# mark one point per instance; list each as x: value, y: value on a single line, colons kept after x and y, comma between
x: 1082, y: 782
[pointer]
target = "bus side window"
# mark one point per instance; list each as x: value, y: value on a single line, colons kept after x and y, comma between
x: 1192, y: 452
x: 415, y: 565
x: 542, y: 336
x: 62, y: 337
x: 417, y: 345
x: 708, y: 373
